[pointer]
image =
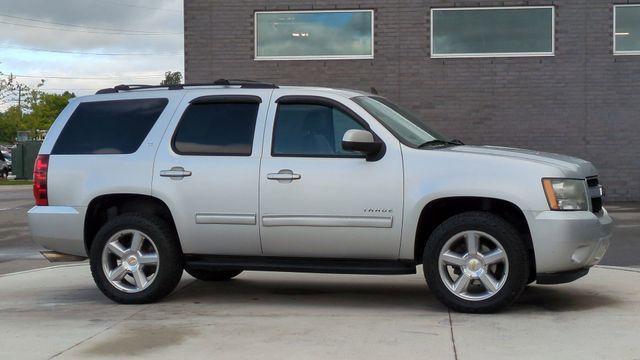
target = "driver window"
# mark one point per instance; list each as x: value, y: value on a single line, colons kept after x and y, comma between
x: 311, y: 130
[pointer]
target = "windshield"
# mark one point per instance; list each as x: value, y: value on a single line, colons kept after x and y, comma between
x: 406, y: 126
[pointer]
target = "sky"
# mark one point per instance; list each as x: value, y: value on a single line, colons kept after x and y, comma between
x: 91, y: 44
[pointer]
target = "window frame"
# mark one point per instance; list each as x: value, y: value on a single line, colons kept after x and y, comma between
x: 494, y: 55
x: 217, y: 99
x: 256, y: 57
x: 617, y: 52
x: 328, y: 102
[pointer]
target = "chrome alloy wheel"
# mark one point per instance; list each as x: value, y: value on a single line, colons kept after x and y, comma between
x: 473, y: 265
x: 130, y: 261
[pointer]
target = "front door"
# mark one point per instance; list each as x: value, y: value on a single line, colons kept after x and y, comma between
x: 207, y: 169
x: 318, y: 200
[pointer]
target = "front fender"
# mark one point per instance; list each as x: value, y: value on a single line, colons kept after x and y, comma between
x: 431, y: 175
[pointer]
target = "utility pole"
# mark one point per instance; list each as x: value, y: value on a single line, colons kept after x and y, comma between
x: 20, y: 101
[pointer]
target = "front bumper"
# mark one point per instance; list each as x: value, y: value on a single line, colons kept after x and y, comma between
x: 565, y: 241
x: 58, y: 228
x: 562, y: 277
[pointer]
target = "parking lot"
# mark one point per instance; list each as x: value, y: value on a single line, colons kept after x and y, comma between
x: 58, y: 312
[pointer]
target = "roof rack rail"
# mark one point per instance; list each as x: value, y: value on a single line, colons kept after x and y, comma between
x: 244, y: 84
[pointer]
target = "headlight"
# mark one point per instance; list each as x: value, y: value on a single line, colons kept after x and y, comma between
x: 566, y: 194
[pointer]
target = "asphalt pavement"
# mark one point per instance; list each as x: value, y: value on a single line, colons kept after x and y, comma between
x: 18, y: 252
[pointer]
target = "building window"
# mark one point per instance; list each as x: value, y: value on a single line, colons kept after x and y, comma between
x: 309, y: 35
x: 626, y: 24
x: 492, y: 32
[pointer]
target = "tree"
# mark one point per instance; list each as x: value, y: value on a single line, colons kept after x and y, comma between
x: 172, y: 78
x: 23, y: 108
x: 14, y: 92
x: 44, y: 110
x: 9, y: 124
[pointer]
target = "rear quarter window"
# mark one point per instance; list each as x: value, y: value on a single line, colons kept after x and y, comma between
x: 109, y: 127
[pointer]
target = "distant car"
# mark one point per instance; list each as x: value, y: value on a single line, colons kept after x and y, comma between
x: 8, y: 160
x: 5, y: 165
x: 236, y: 176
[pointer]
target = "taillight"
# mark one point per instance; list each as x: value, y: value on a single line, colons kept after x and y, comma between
x: 40, y: 180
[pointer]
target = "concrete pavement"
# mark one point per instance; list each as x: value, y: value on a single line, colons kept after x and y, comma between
x: 59, y: 313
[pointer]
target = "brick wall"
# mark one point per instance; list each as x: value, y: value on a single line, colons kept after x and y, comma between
x: 583, y: 101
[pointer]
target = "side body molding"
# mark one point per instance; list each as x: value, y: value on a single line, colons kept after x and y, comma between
x: 328, y: 221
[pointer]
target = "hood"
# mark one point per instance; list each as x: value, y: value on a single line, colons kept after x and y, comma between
x: 571, y: 166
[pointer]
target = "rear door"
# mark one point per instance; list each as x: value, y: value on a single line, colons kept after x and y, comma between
x: 206, y: 170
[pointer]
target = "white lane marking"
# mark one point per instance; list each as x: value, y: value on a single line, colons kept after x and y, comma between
x: 5, y: 209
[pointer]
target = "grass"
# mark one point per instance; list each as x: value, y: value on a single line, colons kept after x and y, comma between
x: 15, y: 182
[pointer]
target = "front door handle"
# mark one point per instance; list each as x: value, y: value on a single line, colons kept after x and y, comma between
x: 284, y: 175
x: 175, y: 173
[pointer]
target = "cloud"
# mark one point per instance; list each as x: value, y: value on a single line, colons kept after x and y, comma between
x: 120, y: 15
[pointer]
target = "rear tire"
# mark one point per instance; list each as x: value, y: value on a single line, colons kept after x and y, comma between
x: 485, y: 280
x: 213, y: 275
x: 142, y: 256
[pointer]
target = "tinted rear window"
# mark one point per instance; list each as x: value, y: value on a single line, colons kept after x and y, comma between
x: 216, y: 129
x: 109, y: 127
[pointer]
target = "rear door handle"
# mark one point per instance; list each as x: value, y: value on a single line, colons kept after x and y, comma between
x: 175, y: 173
x: 284, y: 175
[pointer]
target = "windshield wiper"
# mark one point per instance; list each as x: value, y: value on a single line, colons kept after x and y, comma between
x: 438, y: 142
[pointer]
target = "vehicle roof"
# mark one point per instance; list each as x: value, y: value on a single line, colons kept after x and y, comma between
x: 163, y: 91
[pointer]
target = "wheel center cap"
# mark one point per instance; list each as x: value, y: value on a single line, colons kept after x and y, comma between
x: 132, y: 261
x: 474, y: 265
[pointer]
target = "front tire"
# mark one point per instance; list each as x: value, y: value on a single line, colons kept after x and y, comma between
x: 136, y: 259
x: 476, y: 262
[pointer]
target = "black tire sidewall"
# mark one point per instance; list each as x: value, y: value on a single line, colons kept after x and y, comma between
x: 506, y: 235
x: 171, y: 261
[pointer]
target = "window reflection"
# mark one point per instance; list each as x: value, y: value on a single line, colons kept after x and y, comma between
x: 492, y: 32
x: 627, y: 29
x: 324, y: 34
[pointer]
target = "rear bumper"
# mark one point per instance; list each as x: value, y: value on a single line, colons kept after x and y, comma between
x: 566, y: 241
x: 58, y: 228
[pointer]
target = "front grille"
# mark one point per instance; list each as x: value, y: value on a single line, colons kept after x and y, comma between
x: 595, y: 191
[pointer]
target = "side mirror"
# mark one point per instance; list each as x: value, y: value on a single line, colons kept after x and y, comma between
x: 362, y: 141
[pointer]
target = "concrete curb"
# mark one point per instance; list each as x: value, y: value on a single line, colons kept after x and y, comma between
x: 43, y: 269
x: 620, y: 268
x: 15, y: 187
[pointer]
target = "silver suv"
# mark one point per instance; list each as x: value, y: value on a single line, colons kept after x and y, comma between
x: 233, y: 176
